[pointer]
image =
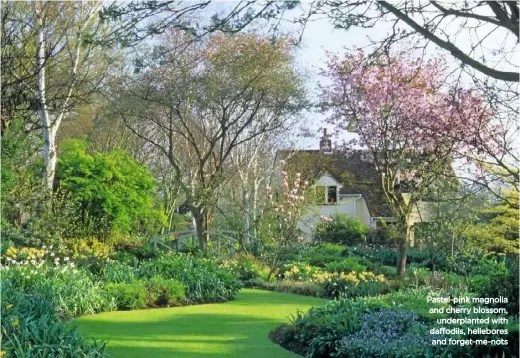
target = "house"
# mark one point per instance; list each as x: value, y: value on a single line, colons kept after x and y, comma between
x: 344, y: 182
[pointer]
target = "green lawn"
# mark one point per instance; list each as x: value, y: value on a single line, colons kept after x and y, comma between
x: 231, y: 329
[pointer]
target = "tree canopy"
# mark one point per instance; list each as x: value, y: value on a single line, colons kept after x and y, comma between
x: 113, y: 191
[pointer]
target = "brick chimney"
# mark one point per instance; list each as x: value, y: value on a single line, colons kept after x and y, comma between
x: 325, y: 142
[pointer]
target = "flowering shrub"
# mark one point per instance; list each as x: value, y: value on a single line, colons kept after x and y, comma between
x: 90, y: 253
x: 300, y: 272
x: 337, y: 284
x: 246, y: 268
x: 353, y: 278
x: 336, y: 328
x: 318, y: 329
x: 390, y: 332
x: 284, y: 213
x: 25, y: 254
x: 87, y: 248
x: 353, y: 284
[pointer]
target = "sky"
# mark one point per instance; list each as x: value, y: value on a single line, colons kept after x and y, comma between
x: 320, y: 36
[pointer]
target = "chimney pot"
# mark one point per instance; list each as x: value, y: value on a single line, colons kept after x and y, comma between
x: 325, y: 142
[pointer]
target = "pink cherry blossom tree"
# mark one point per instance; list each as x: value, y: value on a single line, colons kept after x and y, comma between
x: 411, y: 127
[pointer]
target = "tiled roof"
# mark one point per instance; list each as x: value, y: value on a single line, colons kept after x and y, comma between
x: 356, y: 175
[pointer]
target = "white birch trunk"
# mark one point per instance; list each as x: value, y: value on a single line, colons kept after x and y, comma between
x: 246, y: 215
x: 255, y: 209
x: 50, y: 124
x: 49, y: 140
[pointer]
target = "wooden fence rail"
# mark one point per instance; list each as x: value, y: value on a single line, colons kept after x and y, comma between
x: 180, y: 240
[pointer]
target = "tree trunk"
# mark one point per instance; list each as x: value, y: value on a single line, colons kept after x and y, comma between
x: 273, y: 266
x: 198, y: 219
x: 207, y: 220
x: 49, y: 158
x: 48, y: 132
x: 246, y: 218
x: 403, y: 245
x: 255, y: 208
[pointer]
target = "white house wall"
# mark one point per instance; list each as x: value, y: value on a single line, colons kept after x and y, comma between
x: 362, y: 212
x: 344, y: 206
x: 422, y: 212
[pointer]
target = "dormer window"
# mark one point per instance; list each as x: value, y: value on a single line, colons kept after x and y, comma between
x: 329, y: 194
x: 332, y: 194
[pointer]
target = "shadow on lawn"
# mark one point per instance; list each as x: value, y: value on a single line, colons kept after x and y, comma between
x: 187, y: 335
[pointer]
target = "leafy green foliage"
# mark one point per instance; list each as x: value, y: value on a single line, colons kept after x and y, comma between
x: 246, y: 268
x: 299, y: 288
x: 414, y: 299
x: 388, y: 256
x: 322, y: 254
x: 448, y: 282
x: 498, y: 229
x: 205, y: 281
x: 27, y: 222
x: 320, y: 331
x: 117, y: 272
x: 329, y: 249
x: 71, y: 292
x: 345, y: 265
x: 155, y: 292
x: 388, y: 333
x: 112, y: 189
x: 495, y: 277
x: 163, y: 292
x: 319, y: 328
x: 384, y: 235
x: 42, y: 337
x: 14, y: 149
x: 127, y: 296
x: 33, y: 302
x: 342, y: 229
